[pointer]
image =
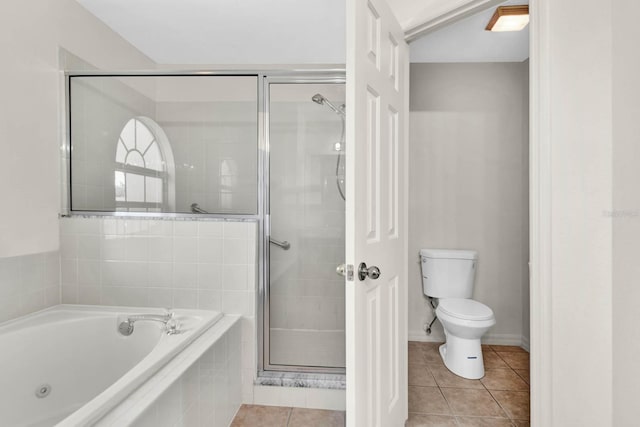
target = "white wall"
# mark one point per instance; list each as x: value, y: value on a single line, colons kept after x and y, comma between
x: 468, y: 184
x: 31, y: 34
x: 626, y: 205
x: 28, y: 283
x: 572, y: 141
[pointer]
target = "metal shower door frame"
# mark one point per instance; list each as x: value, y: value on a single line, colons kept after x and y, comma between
x: 264, y: 304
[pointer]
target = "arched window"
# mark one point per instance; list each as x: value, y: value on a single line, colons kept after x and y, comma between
x: 142, y: 177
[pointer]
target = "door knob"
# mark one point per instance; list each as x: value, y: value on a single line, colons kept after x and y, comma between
x: 372, y: 272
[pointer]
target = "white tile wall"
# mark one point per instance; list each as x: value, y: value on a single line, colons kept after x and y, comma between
x: 306, y: 295
x: 201, y: 387
x: 165, y: 263
x: 29, y: 283
x: 140, y: 262
x: 207, y: 394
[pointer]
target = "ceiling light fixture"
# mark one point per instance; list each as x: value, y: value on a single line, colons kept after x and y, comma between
x: 509, y: 18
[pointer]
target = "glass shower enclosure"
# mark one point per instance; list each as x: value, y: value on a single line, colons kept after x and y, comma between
x: 304, y: 318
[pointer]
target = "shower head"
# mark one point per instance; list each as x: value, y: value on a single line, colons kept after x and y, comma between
x: 319, y: 99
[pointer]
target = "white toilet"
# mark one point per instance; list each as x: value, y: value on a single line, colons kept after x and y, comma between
x: 447, y: 275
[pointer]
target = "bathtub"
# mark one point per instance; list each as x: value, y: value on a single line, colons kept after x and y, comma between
x: 68, y: 365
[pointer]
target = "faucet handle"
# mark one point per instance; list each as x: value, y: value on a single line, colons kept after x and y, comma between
x: 172, y: 326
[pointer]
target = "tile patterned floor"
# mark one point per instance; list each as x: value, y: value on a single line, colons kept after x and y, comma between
x: 277, y: 416
x: 437, y: 398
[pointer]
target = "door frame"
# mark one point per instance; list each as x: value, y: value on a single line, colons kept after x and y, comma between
x: 540, y: 229
x: 263, y: 312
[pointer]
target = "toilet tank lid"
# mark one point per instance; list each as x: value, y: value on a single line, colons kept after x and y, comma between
x: 448, y: 254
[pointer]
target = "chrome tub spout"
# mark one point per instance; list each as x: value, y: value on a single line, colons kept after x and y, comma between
x: 171, y: 325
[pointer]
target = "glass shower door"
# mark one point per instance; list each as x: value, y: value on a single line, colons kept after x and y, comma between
x: 305, y: 316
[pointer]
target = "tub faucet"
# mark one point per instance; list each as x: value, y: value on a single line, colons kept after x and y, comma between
x: 171, y: 325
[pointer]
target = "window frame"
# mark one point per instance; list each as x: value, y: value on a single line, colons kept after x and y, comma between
x: 145, y: 171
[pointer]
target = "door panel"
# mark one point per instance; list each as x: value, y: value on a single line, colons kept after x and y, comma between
x: 376, y: 215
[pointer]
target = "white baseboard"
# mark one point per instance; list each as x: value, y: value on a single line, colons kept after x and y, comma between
x: 421, y: 336
x: 525, y: 343
x: 493, y: 339
x: 502, y: 339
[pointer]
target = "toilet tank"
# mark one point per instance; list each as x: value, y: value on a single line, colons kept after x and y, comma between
x: 448, y: 273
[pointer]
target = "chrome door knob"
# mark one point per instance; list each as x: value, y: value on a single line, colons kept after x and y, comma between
x: 371, y: 272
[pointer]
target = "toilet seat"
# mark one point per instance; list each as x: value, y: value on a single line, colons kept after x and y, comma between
x: 465, y: 309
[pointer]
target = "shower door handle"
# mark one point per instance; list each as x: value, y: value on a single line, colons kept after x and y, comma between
x: 284, y: 244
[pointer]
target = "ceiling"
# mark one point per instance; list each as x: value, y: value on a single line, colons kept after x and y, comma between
x: 252, y: 32
x: 467, y: 41
x: 229, y: 31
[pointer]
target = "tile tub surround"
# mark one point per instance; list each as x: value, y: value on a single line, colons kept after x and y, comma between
x: 28, y: 283
x: 159, y: 263
x: 199, y: 388
x: 437, y: 397
x: 204, y: 264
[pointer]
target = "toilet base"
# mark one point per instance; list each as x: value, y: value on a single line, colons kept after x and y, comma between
x: 463, y: 357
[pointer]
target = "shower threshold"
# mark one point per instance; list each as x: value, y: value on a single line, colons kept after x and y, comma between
x: 300, y: 379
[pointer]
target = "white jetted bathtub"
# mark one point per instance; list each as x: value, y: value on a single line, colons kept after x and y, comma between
x: 70, y: 364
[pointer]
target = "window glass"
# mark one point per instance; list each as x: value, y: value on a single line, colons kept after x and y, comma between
x: 163, y: 143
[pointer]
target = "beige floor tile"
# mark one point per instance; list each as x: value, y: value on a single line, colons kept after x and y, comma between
x: 416, y: 354
x: 479, y: 403
x: 515, y: 403
x: 492, y: 360
x: 421, y: 376
x: 524, y: 374
x: 483, y: 422
x: 522, y: 423
x: 516, y: 360
x: 508, y: 349
x: 445, y: 378
x: 301, y: 417
x: 427, y: 400
x: 421, y: 420
x: 503, y: 379
x: 432, y: 353
x: 264, y: 416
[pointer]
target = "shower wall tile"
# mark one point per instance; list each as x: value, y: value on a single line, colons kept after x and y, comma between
x: 168, y: 263
x: 29, y: 283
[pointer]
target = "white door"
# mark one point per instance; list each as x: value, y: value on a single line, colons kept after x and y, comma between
x: 376, y: 209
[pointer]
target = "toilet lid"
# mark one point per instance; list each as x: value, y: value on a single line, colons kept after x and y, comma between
x: 466, y: 309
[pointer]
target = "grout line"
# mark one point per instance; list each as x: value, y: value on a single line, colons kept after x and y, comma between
x: 448, y: 404
x: 501, y: 407
x: 289, y: 417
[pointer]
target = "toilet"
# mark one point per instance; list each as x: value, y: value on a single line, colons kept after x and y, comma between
x: 448, y: 277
